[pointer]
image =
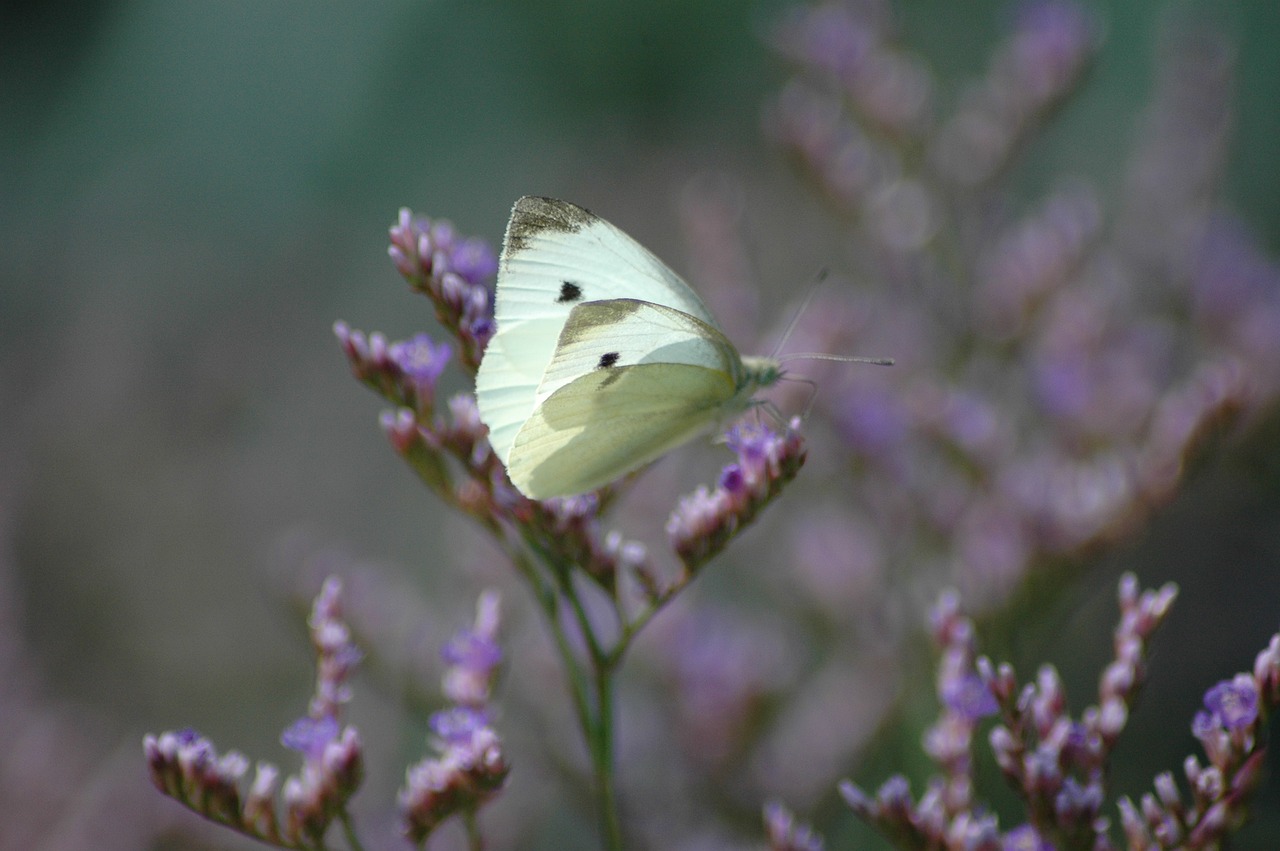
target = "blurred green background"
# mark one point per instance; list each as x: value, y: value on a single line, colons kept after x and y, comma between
x: 191, y: 193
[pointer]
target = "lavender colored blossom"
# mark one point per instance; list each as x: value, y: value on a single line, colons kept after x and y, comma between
x: 1058, y: 765
x: 453, y: 272
x: 1232, y: 704
x: 470, y: 767
x: 186, y: 767
x: 475, y: 261
x: 1025, y: 838
x: 468, y: 774
x: 310, y: 736
x: 969, y: 697
x: 473, y: 656
x: 458, y: 725
x: 732, y: 479
x: 705, y: 521
x: 422, y: 360
x: 473, y: 650
x: 786, y: 834
x: 337, y: 654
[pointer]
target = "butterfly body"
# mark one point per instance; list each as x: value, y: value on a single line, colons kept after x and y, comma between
x: 603, y: 360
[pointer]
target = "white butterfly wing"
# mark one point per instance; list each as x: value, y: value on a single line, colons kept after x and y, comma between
x: 629, y: 381
x: 556, y: 256
x: 628, y: 332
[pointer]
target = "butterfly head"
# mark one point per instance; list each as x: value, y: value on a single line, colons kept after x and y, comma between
x: 761, y: 371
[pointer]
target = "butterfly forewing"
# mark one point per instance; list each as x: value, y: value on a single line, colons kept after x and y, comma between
x: 556, y: 256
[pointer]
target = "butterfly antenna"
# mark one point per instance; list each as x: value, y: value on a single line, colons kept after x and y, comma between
x: 804, y: 305
x: 837, y: 358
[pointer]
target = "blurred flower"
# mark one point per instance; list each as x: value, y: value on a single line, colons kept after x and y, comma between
x: 185, y: 766
x: 473, y: 656
x: 470, y: 766
x: 1025, y: 838
x: 1231, y: 704
x: 467, y: 774
x: 310, y: 736
x: 1059, y: 766
x: 722, y: 668
x: 786, y: 834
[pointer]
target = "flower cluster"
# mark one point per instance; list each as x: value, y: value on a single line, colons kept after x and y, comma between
x: 705, y: 521
x: 1058, y: 764
x: 471, y: 766
x: 406, y: 371
x: 453, y: 272
x: 1056, y: 366
x: 1230, y: 728
x: 185, y: 766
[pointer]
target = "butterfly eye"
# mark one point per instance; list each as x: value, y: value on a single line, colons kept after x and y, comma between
x: 607, y: 360
x: 569, y: 291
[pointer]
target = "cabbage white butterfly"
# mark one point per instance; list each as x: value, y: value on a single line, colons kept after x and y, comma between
x: 603, y: 360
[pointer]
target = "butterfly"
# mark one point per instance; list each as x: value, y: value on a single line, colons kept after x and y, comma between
x: 603, y: 360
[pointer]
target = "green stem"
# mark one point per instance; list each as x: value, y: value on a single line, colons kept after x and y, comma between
x: 349, y: 831
x: 600, y: 738
x: 593, y: 700
x: 474, y: 840
x: 549, y: 601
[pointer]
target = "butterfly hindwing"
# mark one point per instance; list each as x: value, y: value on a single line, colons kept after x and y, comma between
x: 627, y: 332
x: 612, y: 420
x: 628, y: 381
x: 555, y: 257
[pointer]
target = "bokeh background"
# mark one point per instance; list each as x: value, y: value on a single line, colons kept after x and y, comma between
x: 190, y: 195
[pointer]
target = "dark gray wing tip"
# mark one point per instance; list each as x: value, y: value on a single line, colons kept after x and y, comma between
x: 534, y: 214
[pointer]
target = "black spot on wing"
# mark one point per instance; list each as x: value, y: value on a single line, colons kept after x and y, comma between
x: 607, y: 360
x: 569, y: 292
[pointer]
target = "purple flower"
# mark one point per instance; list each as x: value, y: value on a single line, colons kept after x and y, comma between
x: 470, y: 649
x: 474, y: 260
x: 894, y: 793
x: 696, y: 515
x: 787, y: 834
x: 1064, y: 385
x: 1025, y: 838
x: 1233, y: 703
x: 969, y: 697
x: 1076, y: 803
x: 732, y: 478
x: 1053, y: 40
x: 310, y: 736
x: 337, y: 655
x: 483, y: 329
x: 458, y: 725
x: 473, y: 656
x: 830, y: 38
x: 751, y: 442
x: 421, y: 359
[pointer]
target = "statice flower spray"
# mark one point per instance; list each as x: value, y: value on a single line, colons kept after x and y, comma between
x: 1061, y: 360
